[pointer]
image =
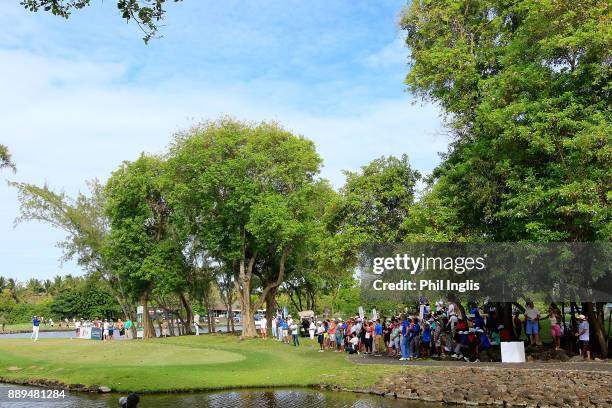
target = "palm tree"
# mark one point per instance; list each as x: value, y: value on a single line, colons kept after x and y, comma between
x: 47, y: 286
x: 58, y: 283
x: 11, y: 285
x: 34, y: 286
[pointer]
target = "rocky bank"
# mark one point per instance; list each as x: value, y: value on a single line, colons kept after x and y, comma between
x: 500, y: 387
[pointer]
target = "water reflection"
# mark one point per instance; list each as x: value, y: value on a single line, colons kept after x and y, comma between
x: 283, y: 398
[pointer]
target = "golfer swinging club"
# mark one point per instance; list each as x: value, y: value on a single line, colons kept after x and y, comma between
x: 35, y: 326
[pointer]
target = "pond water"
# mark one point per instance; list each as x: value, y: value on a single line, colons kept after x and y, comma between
x: 41, y: 335
x: 66, y: 334
x: 267, y: 398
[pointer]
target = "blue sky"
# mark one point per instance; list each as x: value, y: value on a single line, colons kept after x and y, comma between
x: 79, y: 96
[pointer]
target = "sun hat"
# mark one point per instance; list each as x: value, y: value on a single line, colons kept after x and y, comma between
x: 581, y: 317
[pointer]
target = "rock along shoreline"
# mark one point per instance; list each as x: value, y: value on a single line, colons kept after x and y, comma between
x: 473, y: 386
x: 505, y: 387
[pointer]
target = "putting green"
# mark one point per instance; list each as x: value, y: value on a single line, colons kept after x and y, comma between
x: 120, y: 353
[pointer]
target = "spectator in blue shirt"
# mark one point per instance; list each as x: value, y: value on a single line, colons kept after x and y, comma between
x: 281, y: 322
x: 404, y: 341
x: 479, y: 322
x: 378, y: 332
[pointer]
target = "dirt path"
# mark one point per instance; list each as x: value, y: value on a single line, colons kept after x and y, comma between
x: 603, y: 366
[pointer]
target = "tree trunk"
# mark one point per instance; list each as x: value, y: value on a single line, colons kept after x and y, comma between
x: 149, y: 331
x: 246, y: 314
x: 292, y: 299
x: 243, y: 289
x: 597, y: 327
x: 228, y: 313
x: 505, y: 317
x: 188, y: 312
x: 270, y: 307
x: 229, y: 299
x: 211, y: 318
x: 312, y: 302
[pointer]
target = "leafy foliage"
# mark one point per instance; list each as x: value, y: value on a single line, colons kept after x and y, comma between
x: 526, y: 89
x: 5, y: 158
x: 146, y: 13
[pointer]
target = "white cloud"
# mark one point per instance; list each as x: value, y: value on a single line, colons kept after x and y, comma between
x: 394, y: 53
x: 67, y: 121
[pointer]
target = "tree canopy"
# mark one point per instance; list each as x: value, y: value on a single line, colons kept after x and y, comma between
x: 525, y: 86
x: 246, y: 190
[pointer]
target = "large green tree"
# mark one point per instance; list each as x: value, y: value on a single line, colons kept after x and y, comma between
x: 525, y: 86
x: 371, y: 207
x: 243, y: 187
x: 142, y: 247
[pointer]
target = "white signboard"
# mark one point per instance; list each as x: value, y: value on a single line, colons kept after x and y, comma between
x: 513, y: 351
x: 374, y: 315
x: 361, y: 312
x: 140, y: 322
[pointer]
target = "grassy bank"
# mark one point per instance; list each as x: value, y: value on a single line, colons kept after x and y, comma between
x: 182, y: 363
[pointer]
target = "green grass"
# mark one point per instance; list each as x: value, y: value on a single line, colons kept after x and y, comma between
x: 182, y: 363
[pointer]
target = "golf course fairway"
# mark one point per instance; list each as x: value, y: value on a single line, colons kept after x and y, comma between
x: 182, y: 363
